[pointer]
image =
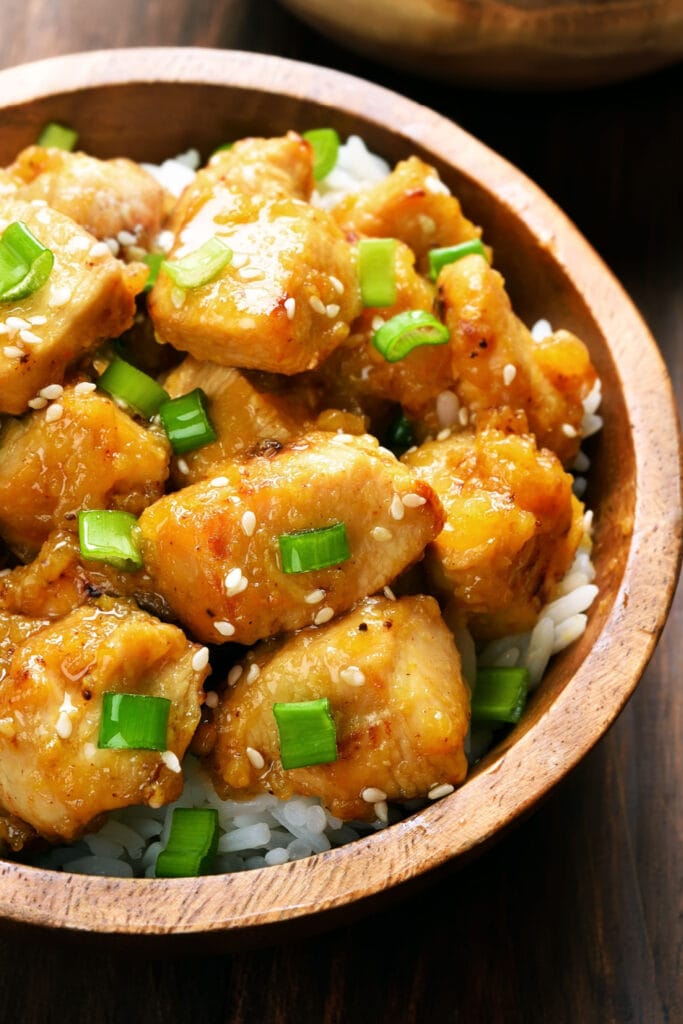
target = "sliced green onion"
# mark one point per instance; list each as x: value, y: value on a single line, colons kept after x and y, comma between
x: 307, y: 733
x: 325, y: 143
x: 138, y: 390
x: 192, y: 843
x: 153, y: 261
x: 399, y: 336
x: 223, y: 148
x: 199, y: 267
x: 25, y: 263
x: 133, y: 721
x: 377, y: 270
x: 438, y: 258
x: 500, y: 694
x: 186, y: 421
x: 107, y: 536
x: 57, y: 136
x: 400, y: 436
x: 307, y: 550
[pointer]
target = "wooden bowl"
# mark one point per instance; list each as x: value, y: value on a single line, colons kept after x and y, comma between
x: 489, y: 43
x: 152, y: 103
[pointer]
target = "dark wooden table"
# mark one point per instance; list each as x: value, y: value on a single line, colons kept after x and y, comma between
x: 577, y: 916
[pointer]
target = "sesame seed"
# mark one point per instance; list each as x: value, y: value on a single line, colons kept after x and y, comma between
x: 396, y: 507
x: 336, y: 284
x: 389, y: 594
x: 16, y: 323
x: 164, y: 241
x: 235, y: 582
x: 211, y: 699
x: 568, y: 430
x: 413, y: 500
x: 381, y: 810
x: 200, y: 659
x: 171, y: 761
x: 323, y: 616
x: 183, y: 467
x: 509, y: 374
x: 52, y: 391
x: 234, y: 674
x: 352, y: 675
x: 447, y: 408
x: 37, y: 321
x: 38, y: 202
x: 218, y: 481
x: 436, y: 186
x: 224, y: 628
x: 29, y: 338
x: 126, y: 238
x: 373, y: 795
x: 290, y: 307
x: 99, y: 251
x: 332, y: 310
x: 377, y: 322
x: 381, y: 533
x: 64, y: 726
x: 12, y: 352
x: 178, y: 297
x: 85, y: 387
x: 251, y: 274
x: 248, y: 523
x: 54, y: 412
x: 444, y: 434
x: 315, y: 597
x: 4, y: 329
x: 89, y: 749
x: 37, y: 403
x: 317, y: 305
x: 256, y: 758
x: 112, y: 245
x: 253, y: 673
x: 59, y: 296
x: 463, y: 416
x: 436, y: 792
x: 239, y: 260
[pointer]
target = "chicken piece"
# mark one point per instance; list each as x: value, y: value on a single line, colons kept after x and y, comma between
x: 93, y: 456
x: 104, y: 196
x: 411, y: 204
x: 513, y: 526
x: 59, y: 579
x: 52, y: 773
x: 282, y: 304
x: 14, y: 631
x: 391, y: 672
x: 488, y: 344
x: 7, y: 184
x: 212, y: 549
x: 88, y: 296
x: 277, y: 167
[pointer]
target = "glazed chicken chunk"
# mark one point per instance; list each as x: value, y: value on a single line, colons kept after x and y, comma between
x: 512, y: 530
x: 52, y: 773
x: 105, y: 197
x: 88, y: 296
x: 213, y: 548
x: 93, y: 456
x: 392, y: 675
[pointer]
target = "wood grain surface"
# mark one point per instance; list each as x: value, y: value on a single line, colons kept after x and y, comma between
x: 577, y: 915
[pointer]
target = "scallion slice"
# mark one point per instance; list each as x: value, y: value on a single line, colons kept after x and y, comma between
x: 325, y: 143
x: 186, y: 421
x: 25, y: 263
x: 133, y: 721
x: 307, y: 731
x: 307, y: 550
x: 500, y: 694
x: 400, y: 436
x: 199, y: 267
x: 58, y: 136
x: 153, y: 261
x: 438, y: 258
x: 192, y: 843
x: 107, y: 536
x: 397, y: 338
x: 138, y: 390
x: 377, y: 271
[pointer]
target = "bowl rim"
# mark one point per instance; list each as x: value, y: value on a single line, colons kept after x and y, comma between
x: 448, y: 828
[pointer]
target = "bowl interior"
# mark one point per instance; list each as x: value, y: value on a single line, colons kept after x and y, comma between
x: 550, y: 272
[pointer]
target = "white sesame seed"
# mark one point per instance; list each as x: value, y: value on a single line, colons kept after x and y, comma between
x: 51, y: 392
x: 436, y: 792
x: 447, y: 408
x: 183, y: 467
x: 581, y: 462
x: 332, y: 310
x: 211, y: 699
x: 171, y: 761
x: 248, y: 523
x: 541, y: 330
x: 99, y: 251
x: 317, y: 305
x: 64, y: 726
x: 38, y: 202
x: 251, y: 274
x: 239, y: 260
x: 377, y: 322
x: 509, y: 374
x: 290, y: 307
x: 381, y: 533
x: 54, y: 412
x: 37, y: 403
x: 323, y: 616
x: 336, y: 284
x: 256, y: 758
x: 4, y: 329
x: 112, y: 245
x: 464, y: 417
x: 85, y: 387
x: 389, y: 594
x: 224, y: 628
x: 218, y: 481
x: 200, y: 659
x: 12, y: 352
x: 234, y: 674
x: 436, y: 186
x: 396, y: 507
x: 568, y: 430
x: 89, y: 749
x: 444, y: 434
x: 253, y: 673
x: 126, y: 238
x: 352, y: 675
x: 29, y: 338
x: 413, y: 500
x: 373, y: 795
x: 315, y: 597
x: 16, y: 323
x: 235, y: 582
x: 37, y: 321
x: 59, y: 296
x: 381, y: 810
